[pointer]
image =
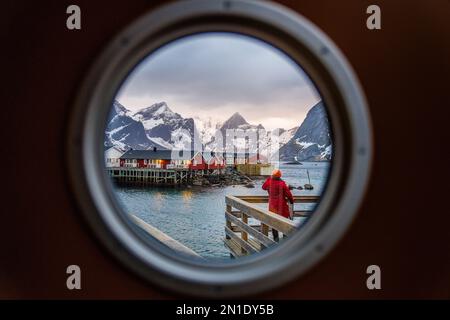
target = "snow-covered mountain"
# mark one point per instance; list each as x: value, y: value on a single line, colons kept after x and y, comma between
x: 167, y: 128
x: 207, y: 128
x: 124, y: 132
x: 312, y: 141
x: 286, y: 135
x: 272, y: 141
x: 236, y: 125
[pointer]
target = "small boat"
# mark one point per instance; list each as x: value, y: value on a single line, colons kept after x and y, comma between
x: 294, y: 162
x: 308, y: 186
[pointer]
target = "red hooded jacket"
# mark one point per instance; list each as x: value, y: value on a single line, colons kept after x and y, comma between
x: 278, y: 194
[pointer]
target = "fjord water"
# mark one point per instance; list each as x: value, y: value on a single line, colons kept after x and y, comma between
x: 195, y: 216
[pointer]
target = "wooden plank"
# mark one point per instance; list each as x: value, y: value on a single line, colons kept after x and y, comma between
x: 235, y: 249
x: 164, y: 238
x: 266, y: 241
x: 256, y: 244
x: 273, y: 220
x: 265, y: 199
x: 244, y: 245
x: 254, y: 226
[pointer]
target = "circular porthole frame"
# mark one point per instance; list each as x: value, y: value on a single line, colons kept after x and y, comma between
x: 350, y: 123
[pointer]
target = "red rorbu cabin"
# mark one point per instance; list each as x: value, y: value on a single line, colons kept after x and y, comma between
x: 198, y: 162
x: 146, y: 159
x: 213, y: 161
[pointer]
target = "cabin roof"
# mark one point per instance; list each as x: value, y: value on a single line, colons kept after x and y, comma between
x: 109, y: 148
x: 156, y: 154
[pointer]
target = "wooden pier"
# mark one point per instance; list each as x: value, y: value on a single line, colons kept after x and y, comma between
x: 243, y: 238
x: 158, y: 176
x: 152, y: 176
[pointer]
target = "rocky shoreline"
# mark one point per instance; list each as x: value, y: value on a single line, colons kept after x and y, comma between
x: 232, y: 177
x: 229, y: 178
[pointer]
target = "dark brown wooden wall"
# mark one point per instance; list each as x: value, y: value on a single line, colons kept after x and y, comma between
x: 403, y: 225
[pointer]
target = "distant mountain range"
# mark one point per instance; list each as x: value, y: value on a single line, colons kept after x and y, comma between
x: 158, y: 126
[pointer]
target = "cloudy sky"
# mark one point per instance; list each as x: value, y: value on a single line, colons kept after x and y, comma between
x: 217, y: 74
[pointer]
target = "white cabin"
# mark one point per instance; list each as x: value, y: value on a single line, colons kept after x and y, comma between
x: 112, y: 157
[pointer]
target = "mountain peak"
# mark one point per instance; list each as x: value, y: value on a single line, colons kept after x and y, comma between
x: 159, y: 106
x: 234, y: 121
x: 119, y: 108
x: 318, y: 108
x: 162, y: 107
x: 156, y: 111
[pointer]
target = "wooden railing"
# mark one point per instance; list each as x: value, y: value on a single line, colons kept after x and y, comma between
x: 243, y: 238
x: 165, y: 239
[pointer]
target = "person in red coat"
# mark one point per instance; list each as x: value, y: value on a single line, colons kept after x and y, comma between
x: 279, y: 194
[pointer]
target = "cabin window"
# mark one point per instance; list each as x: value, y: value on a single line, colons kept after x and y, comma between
x: 269, y: 106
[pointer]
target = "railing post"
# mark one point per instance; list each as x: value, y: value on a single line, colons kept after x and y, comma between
x: 244, y: 235
x: 228, y: 209
x: 265, y: 229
